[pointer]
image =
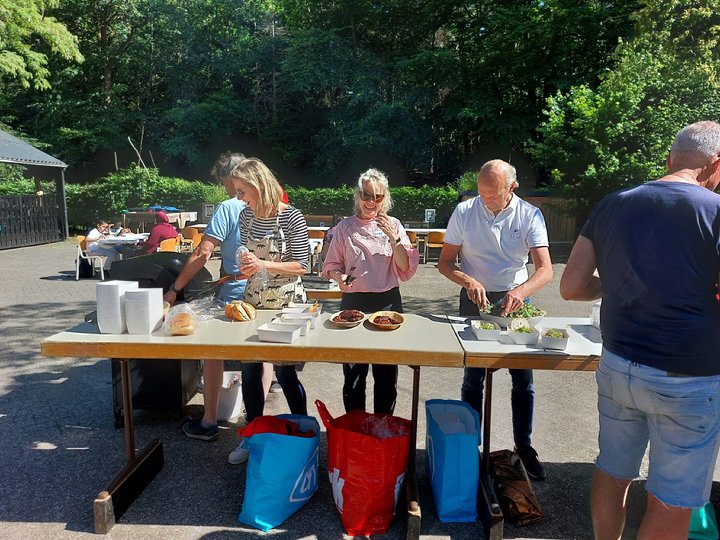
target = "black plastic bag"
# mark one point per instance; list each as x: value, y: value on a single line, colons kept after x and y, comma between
x: 85, y: 270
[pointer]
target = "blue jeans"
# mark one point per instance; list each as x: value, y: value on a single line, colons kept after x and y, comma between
x: 678, y: 416
x: 522, y: 397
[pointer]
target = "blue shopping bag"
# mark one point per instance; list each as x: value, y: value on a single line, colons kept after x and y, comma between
x: 282, y: 474
x: 453, y: 437
x: 703, y: 523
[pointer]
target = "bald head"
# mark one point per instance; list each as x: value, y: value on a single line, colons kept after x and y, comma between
x: 499, y: 169
x: 496, y: 181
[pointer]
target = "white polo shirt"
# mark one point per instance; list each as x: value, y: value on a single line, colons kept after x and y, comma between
x: 494, y: 249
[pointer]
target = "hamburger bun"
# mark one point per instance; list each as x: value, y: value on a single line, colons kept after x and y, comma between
x: 240, y: 311
x: 181, y: 324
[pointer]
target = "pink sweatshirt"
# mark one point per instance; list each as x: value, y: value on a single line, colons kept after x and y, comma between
x: 361, y: 243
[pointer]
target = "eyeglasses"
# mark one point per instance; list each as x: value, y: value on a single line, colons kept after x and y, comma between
x: 378, y: 198
x: 239, y: 193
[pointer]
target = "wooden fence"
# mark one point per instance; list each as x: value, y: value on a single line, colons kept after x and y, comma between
x: 28, y: 220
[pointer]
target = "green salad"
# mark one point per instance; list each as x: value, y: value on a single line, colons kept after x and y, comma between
x: 553, y: 333
x: 484, y: 325
x: 523, y: 330
x: 527, y: 311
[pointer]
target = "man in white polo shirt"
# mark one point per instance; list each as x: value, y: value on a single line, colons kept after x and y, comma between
x: 493, y: 233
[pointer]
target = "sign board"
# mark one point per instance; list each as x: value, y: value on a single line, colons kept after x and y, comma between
x: 208, y: 211
x: 430, y: 215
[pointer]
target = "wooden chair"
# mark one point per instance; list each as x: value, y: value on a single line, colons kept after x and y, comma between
x: 186, y: 242
x: 413, y: 238
x: 170, y: 244
x: 435, y: 240
x: 92, y: 259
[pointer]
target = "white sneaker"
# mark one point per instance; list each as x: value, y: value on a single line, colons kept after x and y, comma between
x: 240, y: 454
x: 275, y: 387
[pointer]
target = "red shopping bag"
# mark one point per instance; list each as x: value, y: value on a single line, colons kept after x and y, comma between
x: 367, y: 461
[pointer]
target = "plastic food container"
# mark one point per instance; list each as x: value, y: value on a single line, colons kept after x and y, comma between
x: 555, y: 343
x: 485, y: 334
x: 278, y: 333
x: 303, y: 324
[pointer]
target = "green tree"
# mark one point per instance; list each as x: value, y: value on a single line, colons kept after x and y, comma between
x: 618, y: 135
x: 27, y: 39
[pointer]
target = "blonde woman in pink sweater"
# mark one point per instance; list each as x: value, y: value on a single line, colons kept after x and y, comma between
x: 369, y: 256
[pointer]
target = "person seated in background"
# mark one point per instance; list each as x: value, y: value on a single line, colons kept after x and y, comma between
x: 162, y: 230
x: 117, y: 229
x: 94, y: 248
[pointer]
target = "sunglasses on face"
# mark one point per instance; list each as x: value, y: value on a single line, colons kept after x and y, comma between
x: 365, y: 196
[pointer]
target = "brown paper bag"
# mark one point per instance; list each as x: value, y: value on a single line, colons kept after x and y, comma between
x: 512, y: 487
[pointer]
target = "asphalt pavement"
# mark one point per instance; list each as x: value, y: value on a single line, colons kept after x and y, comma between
x: 60, y: 447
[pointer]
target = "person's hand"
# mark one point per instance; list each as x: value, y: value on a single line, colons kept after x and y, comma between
x: 345, y: 287
x: 250, y: 264
x: 477, y: 294
x: 386, y: 225
x: 170, y: 297
x: 511, y: 303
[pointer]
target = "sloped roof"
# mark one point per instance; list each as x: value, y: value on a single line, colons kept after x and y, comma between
x: 14, y: 150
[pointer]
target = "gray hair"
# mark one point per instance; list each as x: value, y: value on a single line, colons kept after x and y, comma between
x: 695, y: 145
x: 498, y: 166
x: 226, y: 164
x: 377, y: 178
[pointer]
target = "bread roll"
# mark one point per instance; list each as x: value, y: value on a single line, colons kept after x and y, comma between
x: 181, y: 324
x: 240, y: 311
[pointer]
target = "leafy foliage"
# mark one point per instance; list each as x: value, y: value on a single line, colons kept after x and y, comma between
x: 618, y: 135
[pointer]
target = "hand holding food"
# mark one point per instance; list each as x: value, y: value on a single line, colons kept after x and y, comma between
x: 238, y: 310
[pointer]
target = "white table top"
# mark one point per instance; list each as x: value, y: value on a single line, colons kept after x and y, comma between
x: 124, y: 239
x: 583, y: 350
x: 419, y: 341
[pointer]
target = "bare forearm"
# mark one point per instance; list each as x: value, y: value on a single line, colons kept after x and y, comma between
x: 195, y: 262
x: 401, y: 257
x: 537, y: 281
x: 450, y: 270
x: 289, y: 268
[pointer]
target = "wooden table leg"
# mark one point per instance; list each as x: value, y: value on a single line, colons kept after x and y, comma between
x: 134, y: 477
x: 488, y: 505
x: 414, y: 515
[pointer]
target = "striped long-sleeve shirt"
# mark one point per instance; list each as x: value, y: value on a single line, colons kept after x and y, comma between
x: 293, y: 225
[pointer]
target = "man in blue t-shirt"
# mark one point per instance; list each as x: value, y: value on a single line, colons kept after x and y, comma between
x: 656, y: 249
x: 222, y: 230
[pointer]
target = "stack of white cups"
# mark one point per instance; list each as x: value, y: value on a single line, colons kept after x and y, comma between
x: 111, y: 305
x: 143, y: 310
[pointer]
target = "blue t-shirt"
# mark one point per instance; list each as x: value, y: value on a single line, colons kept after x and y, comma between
x: 224, y: 226
x: 658, y: 256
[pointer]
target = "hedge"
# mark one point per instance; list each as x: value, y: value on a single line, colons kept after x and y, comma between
x: 136, y: 187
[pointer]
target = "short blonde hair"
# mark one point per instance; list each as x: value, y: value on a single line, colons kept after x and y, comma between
x: 256, y: 174
x: 375, y: 178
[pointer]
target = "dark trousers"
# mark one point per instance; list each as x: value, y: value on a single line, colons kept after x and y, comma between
x: 522, y: 400
x: 385, y: 376
x: 254, y: 395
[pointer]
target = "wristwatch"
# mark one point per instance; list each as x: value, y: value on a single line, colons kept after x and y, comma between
x: 174, y: 289
x: 397, y: 240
